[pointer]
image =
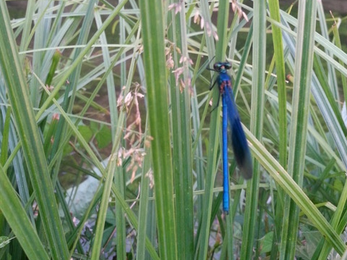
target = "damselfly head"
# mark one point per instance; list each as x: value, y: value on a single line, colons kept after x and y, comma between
x: 219, y: 66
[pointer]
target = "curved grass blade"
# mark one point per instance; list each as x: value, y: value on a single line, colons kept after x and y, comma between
x: 31, y: 140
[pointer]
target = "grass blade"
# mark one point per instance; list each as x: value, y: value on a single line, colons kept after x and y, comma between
x: 18, y: 220
x: 181, y: 134
x: 258, y: 97
x: 158, y: 109
x: 29, y: 135
x: 298, y: 131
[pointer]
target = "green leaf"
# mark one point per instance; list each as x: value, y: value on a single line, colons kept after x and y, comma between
x: 266, y: 242
x: 86, y: 132
x: 103, y: 137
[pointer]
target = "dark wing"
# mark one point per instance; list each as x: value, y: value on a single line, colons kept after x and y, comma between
x: 238, y: 138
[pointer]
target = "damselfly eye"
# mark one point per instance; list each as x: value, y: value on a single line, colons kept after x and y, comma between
x: 217, y: 66
x: 227, y: 65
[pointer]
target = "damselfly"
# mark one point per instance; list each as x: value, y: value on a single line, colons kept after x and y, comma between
x: 238, y: 138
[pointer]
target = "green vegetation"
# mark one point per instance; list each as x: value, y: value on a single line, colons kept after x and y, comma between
x: 109, y: 148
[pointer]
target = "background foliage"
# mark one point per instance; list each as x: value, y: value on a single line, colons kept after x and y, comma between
x: 109, y: 149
